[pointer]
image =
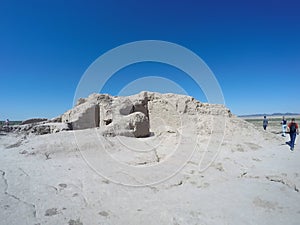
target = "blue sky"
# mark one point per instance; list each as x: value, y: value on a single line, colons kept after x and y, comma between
x: 252, y: 47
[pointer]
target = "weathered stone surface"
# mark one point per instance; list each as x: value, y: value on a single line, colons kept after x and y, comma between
x: 127, y: 116
x: 135, y: 115
x: 83, y: 116
x: 139, y: 123
x: 41, y: 128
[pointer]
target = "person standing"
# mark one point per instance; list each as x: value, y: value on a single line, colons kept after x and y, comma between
x: 294, y: 130
x: 283, y: 124
x: 265, y: 123
x: 7, y: 125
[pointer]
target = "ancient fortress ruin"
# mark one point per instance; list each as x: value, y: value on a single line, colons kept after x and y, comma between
x: 135, y: 115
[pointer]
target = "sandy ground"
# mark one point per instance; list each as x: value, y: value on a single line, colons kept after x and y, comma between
x: 73, y: 178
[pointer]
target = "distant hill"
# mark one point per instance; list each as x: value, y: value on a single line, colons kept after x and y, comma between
x: 274, y: 114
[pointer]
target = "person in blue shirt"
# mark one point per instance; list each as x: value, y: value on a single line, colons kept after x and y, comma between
x: 283, y: 124
x: 265, y: 123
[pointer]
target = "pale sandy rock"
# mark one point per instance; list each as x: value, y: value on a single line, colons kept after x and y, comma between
x: 80, y: 101
x: 135, y: 116
x: 160, y: 110
x: 111, y: 115
x: 126, y: 107
x: 83, y: 116
x: 48, y: 128
x: 41, y: 128
x: 139, y: 123
x: 133, y: 125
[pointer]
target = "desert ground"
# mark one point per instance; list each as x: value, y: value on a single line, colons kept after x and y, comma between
x: 187, y: 173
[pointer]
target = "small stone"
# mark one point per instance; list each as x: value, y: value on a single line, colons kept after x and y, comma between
x: 75, y: 222
x: 23, y: 152
x: 103, y: 213
x: 51, y: 212
x: 62, y: 185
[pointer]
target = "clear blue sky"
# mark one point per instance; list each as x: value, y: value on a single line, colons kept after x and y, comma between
x: 253, y: 48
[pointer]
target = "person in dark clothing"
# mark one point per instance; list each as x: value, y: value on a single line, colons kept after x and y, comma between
x: 265, y: 123
x: 293, y: 129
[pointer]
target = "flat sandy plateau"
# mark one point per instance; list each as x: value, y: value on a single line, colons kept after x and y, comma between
x: 80, y: 177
